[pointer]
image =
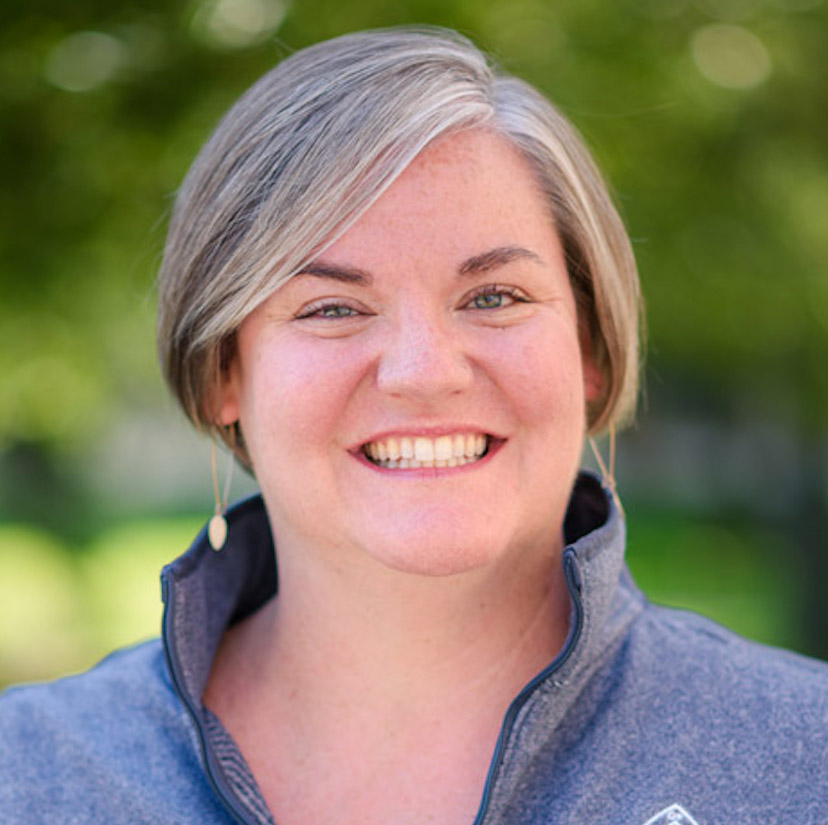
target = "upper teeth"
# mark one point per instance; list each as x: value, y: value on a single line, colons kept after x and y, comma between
x: 445, y: 451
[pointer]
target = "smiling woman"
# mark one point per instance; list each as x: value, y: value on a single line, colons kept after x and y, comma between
x: 329, y: 369
x: 396, y: 285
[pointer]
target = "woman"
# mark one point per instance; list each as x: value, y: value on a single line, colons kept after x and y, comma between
x: 396, y: 286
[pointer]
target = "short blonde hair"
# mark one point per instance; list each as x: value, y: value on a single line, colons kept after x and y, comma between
x: 313, y: 144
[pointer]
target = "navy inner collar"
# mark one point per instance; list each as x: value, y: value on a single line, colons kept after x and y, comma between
x: 207, y: 591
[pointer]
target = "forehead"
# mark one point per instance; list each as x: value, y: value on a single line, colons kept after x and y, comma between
x: 473, y: 158
x: 464, y: 192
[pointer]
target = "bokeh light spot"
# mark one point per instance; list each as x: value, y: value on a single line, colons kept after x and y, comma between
x: 84, y: 61
x: 730, y: 56
x: 236, y: 24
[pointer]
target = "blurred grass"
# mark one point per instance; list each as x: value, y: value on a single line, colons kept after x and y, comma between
x: 727, y: 571
x: 724, y: 190
x: 63, y: 610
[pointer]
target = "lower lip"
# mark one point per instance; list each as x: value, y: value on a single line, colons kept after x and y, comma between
x: 432, y: 472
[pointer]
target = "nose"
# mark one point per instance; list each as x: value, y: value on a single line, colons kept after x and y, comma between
x: 423, y: 358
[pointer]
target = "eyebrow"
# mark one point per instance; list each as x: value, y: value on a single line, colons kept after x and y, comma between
x: 494, y: 258
x: 337, y: 273
x: 497, y: 257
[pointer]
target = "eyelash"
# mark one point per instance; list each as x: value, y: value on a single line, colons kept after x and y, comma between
x: 513, y: 293
x: 320, y: 309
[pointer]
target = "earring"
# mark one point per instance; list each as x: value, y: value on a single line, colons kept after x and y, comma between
x: 608, y: 475
x: 217, y: 526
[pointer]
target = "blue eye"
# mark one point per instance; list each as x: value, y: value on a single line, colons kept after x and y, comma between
x: 330, y: 310
x: 336, y: 311
x: 495, y: 297
x: 488, y: 300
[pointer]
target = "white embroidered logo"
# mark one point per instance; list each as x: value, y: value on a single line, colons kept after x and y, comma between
x: 674, y: 815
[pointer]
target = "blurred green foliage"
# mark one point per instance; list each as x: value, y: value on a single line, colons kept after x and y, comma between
x: 731, y: 572
x: 707, y: 115
x: 64, y: 611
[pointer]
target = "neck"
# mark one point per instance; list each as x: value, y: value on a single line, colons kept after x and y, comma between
x: 404, y: 678
x: 372, y: 639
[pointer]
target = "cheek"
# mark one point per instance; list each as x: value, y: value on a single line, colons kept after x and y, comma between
x: 296, y: 393
x: 543, y: 376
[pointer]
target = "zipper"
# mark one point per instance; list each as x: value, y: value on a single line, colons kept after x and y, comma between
x: 226, y: 795
x: 573, y: 585
x: 219, y: 786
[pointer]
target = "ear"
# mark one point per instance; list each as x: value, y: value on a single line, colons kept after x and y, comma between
x: 224, y: 395
x: 594, y: 383
x: 593, y: 380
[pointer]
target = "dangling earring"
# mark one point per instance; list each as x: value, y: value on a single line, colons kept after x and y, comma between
x: 608, y: 475
x: 217, y: 526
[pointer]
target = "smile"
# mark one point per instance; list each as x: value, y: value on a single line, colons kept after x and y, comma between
x: 409, y: 453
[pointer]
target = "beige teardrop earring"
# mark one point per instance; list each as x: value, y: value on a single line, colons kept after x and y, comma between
x: 608, y: 474
x: 217, y: 526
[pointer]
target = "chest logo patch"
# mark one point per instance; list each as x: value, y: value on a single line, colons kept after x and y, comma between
x: 674, y: 815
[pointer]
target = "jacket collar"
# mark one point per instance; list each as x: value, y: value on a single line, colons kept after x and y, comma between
x: 205, y: 591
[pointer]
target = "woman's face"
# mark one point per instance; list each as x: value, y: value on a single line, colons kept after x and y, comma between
x: 441, y: 326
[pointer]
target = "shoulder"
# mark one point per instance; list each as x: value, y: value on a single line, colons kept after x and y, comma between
x: 681, y: 710
x: 728, y: 704
x: 681, y: 648
x: 678, y: 681
x: 126, y: 681
x: 112, y: 743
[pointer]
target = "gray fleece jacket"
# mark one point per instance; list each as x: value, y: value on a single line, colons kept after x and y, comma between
x: 648, y: 716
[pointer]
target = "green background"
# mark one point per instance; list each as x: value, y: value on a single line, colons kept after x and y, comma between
x: 711, y: 120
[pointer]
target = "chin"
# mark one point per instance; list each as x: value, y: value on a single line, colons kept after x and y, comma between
x: 438, y: 556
